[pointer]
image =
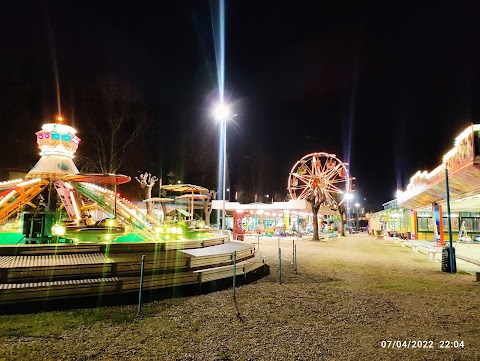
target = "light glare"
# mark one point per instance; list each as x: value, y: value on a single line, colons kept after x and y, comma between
x: 222, y: 112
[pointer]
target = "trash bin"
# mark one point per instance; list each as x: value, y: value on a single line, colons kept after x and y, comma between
x: 446, y: 267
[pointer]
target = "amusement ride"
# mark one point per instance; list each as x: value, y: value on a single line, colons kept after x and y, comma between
x: 318, y: 174
x: 56, y: 203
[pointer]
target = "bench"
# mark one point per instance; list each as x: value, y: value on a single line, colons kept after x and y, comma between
x: 418, y: 247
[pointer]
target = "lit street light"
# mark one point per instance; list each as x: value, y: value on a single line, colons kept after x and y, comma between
x: 222, y: 113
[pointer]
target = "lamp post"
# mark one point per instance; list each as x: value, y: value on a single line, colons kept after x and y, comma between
x: 356, y: 206
x: 348, y: 198
x: 222, y: 113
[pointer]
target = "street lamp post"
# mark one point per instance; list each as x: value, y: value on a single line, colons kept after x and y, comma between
x: 356, y: 206
x: 348, y: 198
x: 222, y: 113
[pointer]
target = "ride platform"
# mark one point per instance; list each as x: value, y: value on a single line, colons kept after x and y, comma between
x: 34, y: 273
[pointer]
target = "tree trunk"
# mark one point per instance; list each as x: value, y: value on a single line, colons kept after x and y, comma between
x: 207, y: 206
x: 164, y: 209
x: 147, y: 181
x: 342, y: 212
x: 315, y: 208
x: 148, y: 194
x: 208, y: 212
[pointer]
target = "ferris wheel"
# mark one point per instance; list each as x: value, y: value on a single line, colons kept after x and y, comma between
x: 319, y: 175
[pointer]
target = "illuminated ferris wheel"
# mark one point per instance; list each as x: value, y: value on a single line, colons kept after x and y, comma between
x: 319, y: 175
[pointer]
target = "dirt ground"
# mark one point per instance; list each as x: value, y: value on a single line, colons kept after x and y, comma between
x: 352, y: 298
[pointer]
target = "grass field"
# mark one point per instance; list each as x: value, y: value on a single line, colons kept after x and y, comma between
x: 348, y: 296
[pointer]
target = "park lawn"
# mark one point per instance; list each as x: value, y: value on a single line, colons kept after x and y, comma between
x: 348, y: 296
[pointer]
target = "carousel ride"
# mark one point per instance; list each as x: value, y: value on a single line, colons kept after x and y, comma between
x: 55, y: 203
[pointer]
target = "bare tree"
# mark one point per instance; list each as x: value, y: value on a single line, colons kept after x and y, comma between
x: 115, y: 116
x: 202, y: 160
x: 316, y: 198
x: 147, y: 181
x: 342, y: 211
x: 207, y: 205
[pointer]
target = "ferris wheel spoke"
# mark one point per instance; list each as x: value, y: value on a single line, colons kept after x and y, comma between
x: 333, y: 189
x: 338, y: 181
x: 304, y: 193
x: 333, y: 172
x: 300, y: 190
x: 304, y: 178
x: 301, y: 186
x: 309, y: 171
x: 324, y: 167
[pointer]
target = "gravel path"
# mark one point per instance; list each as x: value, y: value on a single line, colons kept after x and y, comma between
x: 348, y: 296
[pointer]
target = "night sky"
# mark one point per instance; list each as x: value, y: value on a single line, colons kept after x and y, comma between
x: 385, y: 87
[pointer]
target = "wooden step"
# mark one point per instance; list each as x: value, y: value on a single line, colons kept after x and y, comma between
x: 220, y: 254
x: 243, y: 267
x: 42, y: 291
x: 132, y: 284
x: 47, y: 249
x: 14, y: 269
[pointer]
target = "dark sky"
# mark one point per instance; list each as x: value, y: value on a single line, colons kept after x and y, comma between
x: 386, y: 87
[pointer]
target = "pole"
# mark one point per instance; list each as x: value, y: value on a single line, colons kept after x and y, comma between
x: 293, y: 251
x: 234, y: 271
x: 115, y: 198
x: 357, y: 220
x: 224, y: 132
x: 280, y: 265
x: 160, y: 184
x: 258, y: 242
x: 452, y: 260
x: 295, y: 259
x: 142, y: 268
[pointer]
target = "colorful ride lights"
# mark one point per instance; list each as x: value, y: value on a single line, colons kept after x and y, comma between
x: 169, y: 230
x: 58, y: 136
x: 57, y: 139
x: 58, y: 230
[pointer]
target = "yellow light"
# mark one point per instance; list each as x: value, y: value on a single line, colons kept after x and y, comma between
x: 60, y: 118
x: 58, y: 230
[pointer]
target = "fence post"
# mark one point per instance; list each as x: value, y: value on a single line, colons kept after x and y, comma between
x: 295, y: 258
x: 234, y: 271
x: 293, y: 251
x: 142, y: 268
x: 280, y: 265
